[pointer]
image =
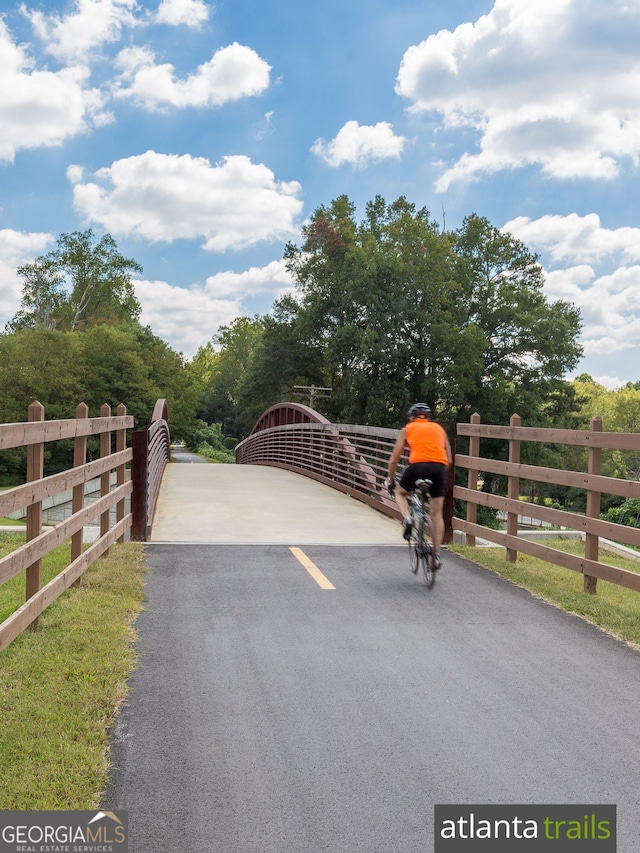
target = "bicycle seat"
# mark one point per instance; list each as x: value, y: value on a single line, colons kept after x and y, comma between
x: 423, y: 486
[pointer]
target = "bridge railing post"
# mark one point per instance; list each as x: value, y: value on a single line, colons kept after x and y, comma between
x: 140, y: 479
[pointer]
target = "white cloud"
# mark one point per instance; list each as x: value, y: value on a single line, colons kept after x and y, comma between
x: 163, y: 198
x: 234, y: 72
x: 540, y: 85
x: 601, y: 280
x: 187, y: 318
x: 273, y: 279
x: 184, y: 317
x: 190, y: 13
x: 573, y: 237
x: 16, y: 248
x: 39, y: 108
x: 360, y: 145
x: 91, y: 24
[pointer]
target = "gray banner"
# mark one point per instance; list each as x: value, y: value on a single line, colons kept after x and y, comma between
x: 63, y: 832
x: 526, y: 828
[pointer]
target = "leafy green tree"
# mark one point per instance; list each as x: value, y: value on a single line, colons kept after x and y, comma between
x: 281, y: 360
x: 81, y: 282
x: 44, y: 365
x: 402, y: 311
x: 43, y: 295
x: 218, y: 372
x: 627, y: 513
x: 39, y: 364
x: 529, y: 343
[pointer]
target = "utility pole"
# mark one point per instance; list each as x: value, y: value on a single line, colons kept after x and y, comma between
x: 312, y: 391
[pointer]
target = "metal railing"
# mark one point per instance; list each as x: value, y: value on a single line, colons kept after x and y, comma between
x: 151, y: 452
x: 350, y: 458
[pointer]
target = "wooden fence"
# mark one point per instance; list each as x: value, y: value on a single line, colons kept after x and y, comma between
x: 111, y: 430
x: 591, y: 481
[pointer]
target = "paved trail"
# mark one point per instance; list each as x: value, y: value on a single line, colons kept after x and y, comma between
x: 271, y: 715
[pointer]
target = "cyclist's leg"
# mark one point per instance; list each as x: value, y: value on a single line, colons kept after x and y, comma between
x: 404, y: 487
x: 402, y: 499
x: 437, y: 524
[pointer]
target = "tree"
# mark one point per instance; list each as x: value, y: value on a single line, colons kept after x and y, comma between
x: 280, y: 360
x: 43, y: 295
x: 620, y: 412
x: 81, y: 282
x: 218, y: 374
x: 529, y: 343
x: 402, y: 311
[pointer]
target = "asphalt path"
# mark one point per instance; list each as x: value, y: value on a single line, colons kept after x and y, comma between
x: 271, y: 714
x: 179, y: 453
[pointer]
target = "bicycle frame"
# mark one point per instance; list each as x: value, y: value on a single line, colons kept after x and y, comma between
x: 420, y: 542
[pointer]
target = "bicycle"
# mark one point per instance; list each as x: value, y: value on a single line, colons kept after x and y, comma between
x: 420, y: 547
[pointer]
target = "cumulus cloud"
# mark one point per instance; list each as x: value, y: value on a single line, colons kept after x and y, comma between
x: 16, y: 248
x: 360, y: 145
x: 601, y: 277
x: 184, y: 317
x: 162, y: 198
x: 574, y: 237
x: 273, y: 279
x: 91, y: 24
x: 189, y: 13
x: 539, y: 85
x: 39, y: 108
x: 234, y: 72
x: 187, y: 318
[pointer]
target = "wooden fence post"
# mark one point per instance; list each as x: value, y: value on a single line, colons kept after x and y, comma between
x: 105, y: 478
x: 591, y: 545
x: 35, y: 471
x: 472, y: 481
x: 121, y: 444
x: 77, y: 499
x: 513, y: 488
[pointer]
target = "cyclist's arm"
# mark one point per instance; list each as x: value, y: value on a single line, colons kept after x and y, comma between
x: 396, y: 453
x: 448, y: 449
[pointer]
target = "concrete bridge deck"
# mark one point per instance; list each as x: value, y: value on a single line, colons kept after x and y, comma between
x: 256, y: 504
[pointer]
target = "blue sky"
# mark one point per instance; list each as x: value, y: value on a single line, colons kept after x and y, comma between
x: 201, y: 135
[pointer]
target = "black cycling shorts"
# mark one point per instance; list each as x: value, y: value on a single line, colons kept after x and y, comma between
x: 434, y: 471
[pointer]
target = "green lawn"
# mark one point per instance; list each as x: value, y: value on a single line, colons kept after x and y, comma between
x: 61, y: 686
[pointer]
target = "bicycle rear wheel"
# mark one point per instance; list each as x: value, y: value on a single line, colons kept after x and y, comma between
x: 425, y: 549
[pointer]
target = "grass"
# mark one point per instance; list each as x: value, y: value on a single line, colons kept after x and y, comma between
x: 614, y: 609
x: 61, y: 686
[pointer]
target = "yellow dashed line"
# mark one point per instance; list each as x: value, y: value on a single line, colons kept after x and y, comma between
x: 311, y: 567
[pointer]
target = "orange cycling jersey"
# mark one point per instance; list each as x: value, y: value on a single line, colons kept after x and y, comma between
x: 427, y: 442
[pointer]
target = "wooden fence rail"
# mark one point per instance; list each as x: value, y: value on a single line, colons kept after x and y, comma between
x: 591, y: 481
x: 34, y: 435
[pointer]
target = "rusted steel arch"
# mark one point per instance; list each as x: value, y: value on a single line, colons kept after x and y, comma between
x: 160, y: 411
x: 296, y: 437
x: 288, y: 413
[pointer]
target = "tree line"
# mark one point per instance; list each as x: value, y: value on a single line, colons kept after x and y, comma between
x: 384, y: 312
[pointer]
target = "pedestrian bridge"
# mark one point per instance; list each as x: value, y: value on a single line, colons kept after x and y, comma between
x: 258, y: 504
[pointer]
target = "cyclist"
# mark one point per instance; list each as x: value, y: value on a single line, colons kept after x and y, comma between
x: 429, y: 457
